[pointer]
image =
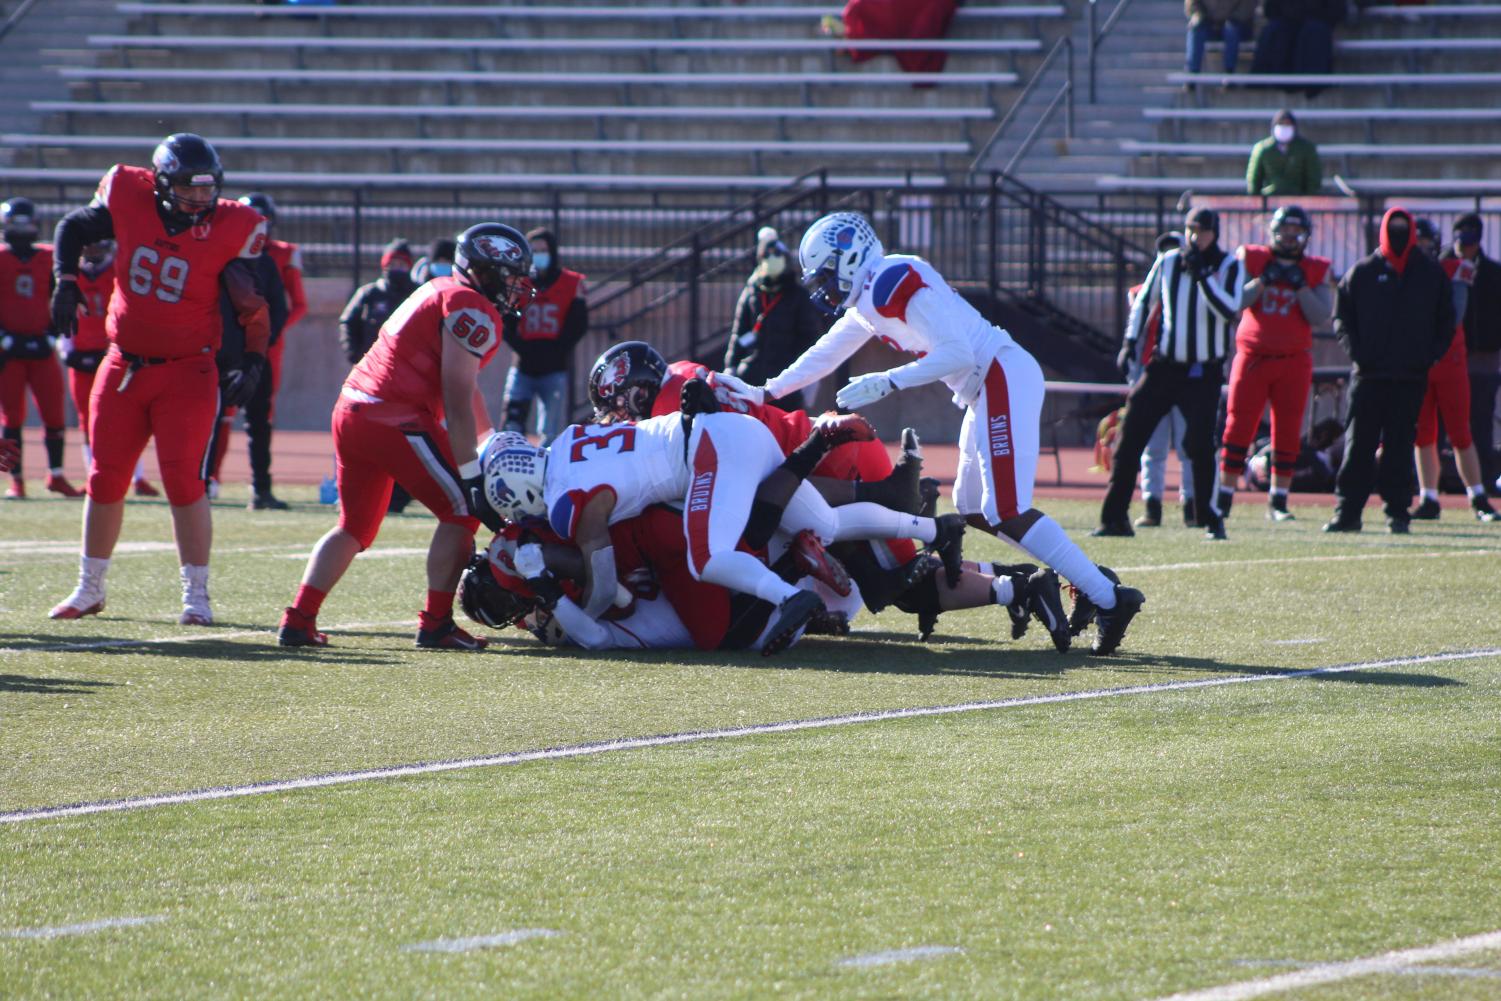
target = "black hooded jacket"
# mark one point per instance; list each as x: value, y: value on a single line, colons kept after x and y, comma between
x: 1395, y: 315
x: 774, y: 324
x: 554, y: 326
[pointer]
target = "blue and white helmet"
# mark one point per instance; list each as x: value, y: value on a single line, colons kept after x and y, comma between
x: 837, y: 254
x: 514, y: 469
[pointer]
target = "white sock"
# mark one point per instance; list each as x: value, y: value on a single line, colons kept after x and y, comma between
x: 140, y: 469
x: 1003, y: 590
x: 194, y: 574
x: 94, y: 567
x: 743, y: 572
x: 864, y: 520
x: 88, y: 457
x: 1431, y: 493
x: 1279, y: 491
x: 1047, y: 541
x: 1476, y: 491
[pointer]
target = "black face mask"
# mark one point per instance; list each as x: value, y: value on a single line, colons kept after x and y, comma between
x: 1398, y: 233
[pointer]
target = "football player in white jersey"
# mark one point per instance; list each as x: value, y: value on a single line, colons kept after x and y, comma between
x: 905, y: 303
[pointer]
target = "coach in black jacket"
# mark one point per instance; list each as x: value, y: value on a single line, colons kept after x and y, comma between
x: 1395, y: 318
x: 1482, y: 327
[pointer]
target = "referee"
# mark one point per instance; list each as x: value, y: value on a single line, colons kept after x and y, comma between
x: 1199, y: 288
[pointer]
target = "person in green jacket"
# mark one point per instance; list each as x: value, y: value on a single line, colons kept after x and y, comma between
x: 1284, y: 163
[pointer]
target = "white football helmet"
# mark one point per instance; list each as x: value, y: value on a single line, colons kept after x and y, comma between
x: 514, y: 469
x: 837, y: 254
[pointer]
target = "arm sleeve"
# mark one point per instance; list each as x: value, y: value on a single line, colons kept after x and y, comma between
x: 1317, y: 304
x: 291, y: 279
x: 828, y: 353
x: 949, y: 354
x: 250, y: 309
x: 1222, y: 288
x: 575, y: 324
x: 77, y: 230
x: 580, y: 628
x: 1142, y: 308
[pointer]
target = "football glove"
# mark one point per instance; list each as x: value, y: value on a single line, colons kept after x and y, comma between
x: 863, y: 390
x: 739, y: 389
x: 237, y: 386
x: 66, y: 302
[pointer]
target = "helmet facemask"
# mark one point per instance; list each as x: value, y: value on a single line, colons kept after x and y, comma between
x: 837, y: 253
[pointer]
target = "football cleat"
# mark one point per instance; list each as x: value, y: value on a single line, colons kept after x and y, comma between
x: 143, y: 488
x: 1427, y: 511
x: 1083, y: 612
x: 1113, y: 529
x: 78, y: 604
x: 881, y: 590
x: 828, y: 623
x: 267, y: 502
x: 841, y: 429
x: 928, y: 488
x: 949, y: 545
x: 1038, y: 594
x: 196, y: 610
x: 792, y: 616
x: 16, y: 490
x: 1398, y: 526
x: 1483, y: 510
x: 447, y: 635
x: 1276, y: 509
x: 1111, y: 623
x: 58, y: 484
x: 1021, y: 616
x: 297, y: 629
x: 1215, y: 530
x: 1338, y: 524
x: 816, y: 562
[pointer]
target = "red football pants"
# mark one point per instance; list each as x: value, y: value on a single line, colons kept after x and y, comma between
x: 373, y: 451
x: 176, y: 402
x: 44, y: 377
x: 1256, y: 380
x: 80, y: 387
x: 1448, y: 395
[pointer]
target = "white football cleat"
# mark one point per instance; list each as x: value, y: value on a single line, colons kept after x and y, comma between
x: 195, y: 603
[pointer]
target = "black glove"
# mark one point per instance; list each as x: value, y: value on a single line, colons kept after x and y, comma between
x: 237, y: 385
x: 66, y: 299
x: 479, y: 503
x: 547, y: 589
x: 1292, y: 274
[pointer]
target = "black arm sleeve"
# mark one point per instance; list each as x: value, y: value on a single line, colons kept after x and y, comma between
x: 75, y: 231
x: 575, y: 324
x: 510, y: 332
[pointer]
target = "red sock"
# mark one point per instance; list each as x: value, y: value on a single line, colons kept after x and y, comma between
x: 439, y: 606
x: 309, y: 600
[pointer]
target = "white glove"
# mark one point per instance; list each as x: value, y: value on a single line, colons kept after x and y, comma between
x: 863, y: 390
x: 739, y: 389
x: 64, y: 347
x: 529, y: 561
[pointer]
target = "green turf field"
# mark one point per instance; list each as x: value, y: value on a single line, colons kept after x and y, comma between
x: 1131, y: 845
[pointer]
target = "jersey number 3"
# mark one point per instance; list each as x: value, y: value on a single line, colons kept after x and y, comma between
x: 148, y: 271
x: 625, y: 435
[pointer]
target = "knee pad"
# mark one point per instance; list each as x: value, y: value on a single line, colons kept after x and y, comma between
x: 108, y: 486
x: 183, y: 487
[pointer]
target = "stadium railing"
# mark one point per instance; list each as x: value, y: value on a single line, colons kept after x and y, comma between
x: 532, y: 45
x: 558, y: 12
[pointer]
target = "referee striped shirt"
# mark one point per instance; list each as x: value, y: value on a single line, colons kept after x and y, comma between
x: 1198, y: 314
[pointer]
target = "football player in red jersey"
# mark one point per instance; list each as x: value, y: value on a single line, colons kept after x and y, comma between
x: 1287, y: 294
x: 26, y: 341
x: 178, y: 243
x: 389, y: 427
x: 85, y: 350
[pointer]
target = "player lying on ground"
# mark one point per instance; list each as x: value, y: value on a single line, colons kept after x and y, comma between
x: 904, y: 302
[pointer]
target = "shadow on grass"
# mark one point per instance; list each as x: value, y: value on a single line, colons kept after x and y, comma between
x: 50, y: 686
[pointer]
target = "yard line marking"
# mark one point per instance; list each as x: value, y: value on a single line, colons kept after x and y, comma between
x: 480, y: 941
x: 901, y: 955
x: 1298, y: 642
x: 1327, y: 973
x: 1406, y: 971
x: 1275, y: 560
x: 82, y: 929
x: 372, y: 554
x: 179, y: 638
x: 693, y: 737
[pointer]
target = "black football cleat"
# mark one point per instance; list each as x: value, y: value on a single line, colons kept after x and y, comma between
x: 1276, y: 509
x: 902, y: 489
x: 1040, y: 593
x: 1427, y: 511
x: 949, y: 545
x: 1483, y: 510
x: 1215, y: 530
x: 1021, y: 616
x: 926, y: 623
x: 1084, y: 610
x: 928, y: 488
x: 267, y: 502
x: 1110, y: 623
x: 792, y: 616
x: 1114, y: 529
x: 1398, y: 526
x: 447, y: 635
x: 1338, y: 524
x: 883, y: 589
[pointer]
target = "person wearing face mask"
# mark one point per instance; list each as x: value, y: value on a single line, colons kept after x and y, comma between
x: 26, y: 343
x: 84, y: 351
x: 775, y: 320
x: 1482, y: 334
x: 1284, y: 163
x: 372, y: 304
x: 436, y: 263
x: 1395, y: 318
x: 1288, y: 294
x: 543, y: 338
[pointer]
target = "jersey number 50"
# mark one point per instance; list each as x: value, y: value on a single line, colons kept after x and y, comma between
x: 148, y: 270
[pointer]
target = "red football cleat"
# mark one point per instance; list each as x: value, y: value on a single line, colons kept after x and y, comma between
x: 58, y: 484
x: 143, y: 488
x: 447, y: 635
x: 814, y: 560
x: 16, y: 490
x: 840, y: 429
x: 298, y: 629
x: 66, y: 610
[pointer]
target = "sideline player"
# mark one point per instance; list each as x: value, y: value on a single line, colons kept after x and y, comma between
x: 84, y: 352
x: 905, y: 303
x: 1288, y: 292
x: 260, y: 412
x: 26, y: 340
x: 389, y: 428
x: 178, y: 243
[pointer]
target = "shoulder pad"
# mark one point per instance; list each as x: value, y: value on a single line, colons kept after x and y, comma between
x: 893, y: 286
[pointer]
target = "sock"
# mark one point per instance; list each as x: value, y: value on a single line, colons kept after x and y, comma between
x: 871, y: 521
x: 140, y: 467
x: 309, y: 600
x: 1279, y: 491
x: 439, y: 605
x: 1047, y: 541
x: 93, y: 568
x: 744, y: 573
x: 52, y: 438
x: 1431, y: 493
x: 88, y: 457
x: 1002, y: 591
x: 1478, y: 490
x: 194, y: 574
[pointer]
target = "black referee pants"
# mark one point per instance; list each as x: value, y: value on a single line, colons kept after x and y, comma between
x: 1195, y: 391
x: 1382, y: 412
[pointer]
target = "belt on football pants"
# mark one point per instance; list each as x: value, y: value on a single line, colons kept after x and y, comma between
x: 136, y: 363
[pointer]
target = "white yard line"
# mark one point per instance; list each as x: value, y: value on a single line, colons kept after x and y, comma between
x: 480, y: 941
x: 85, y: 928
x: 1328, y: 973
x: 667, y: 740
x: 196, y: 637
x: 901, y: 955
x: 1279, y: 560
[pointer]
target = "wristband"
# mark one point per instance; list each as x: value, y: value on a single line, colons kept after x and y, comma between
x: 469, y: 470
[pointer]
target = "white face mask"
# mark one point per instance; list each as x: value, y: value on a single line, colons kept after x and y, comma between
x: 1284, y: 133
x: 773, y: 266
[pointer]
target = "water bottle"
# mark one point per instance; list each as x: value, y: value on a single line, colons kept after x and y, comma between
x: 328, y: 491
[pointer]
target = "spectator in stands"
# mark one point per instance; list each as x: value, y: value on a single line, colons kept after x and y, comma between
x: 775, y: 320
x: 1482, y: 334
x: 1169, y: 433
x: 543, y: 339
x: 1284, y: 163
x: 436, y: 263
x: 371, y: 304
x: 1228, y: 20
x: 1395, y: 318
